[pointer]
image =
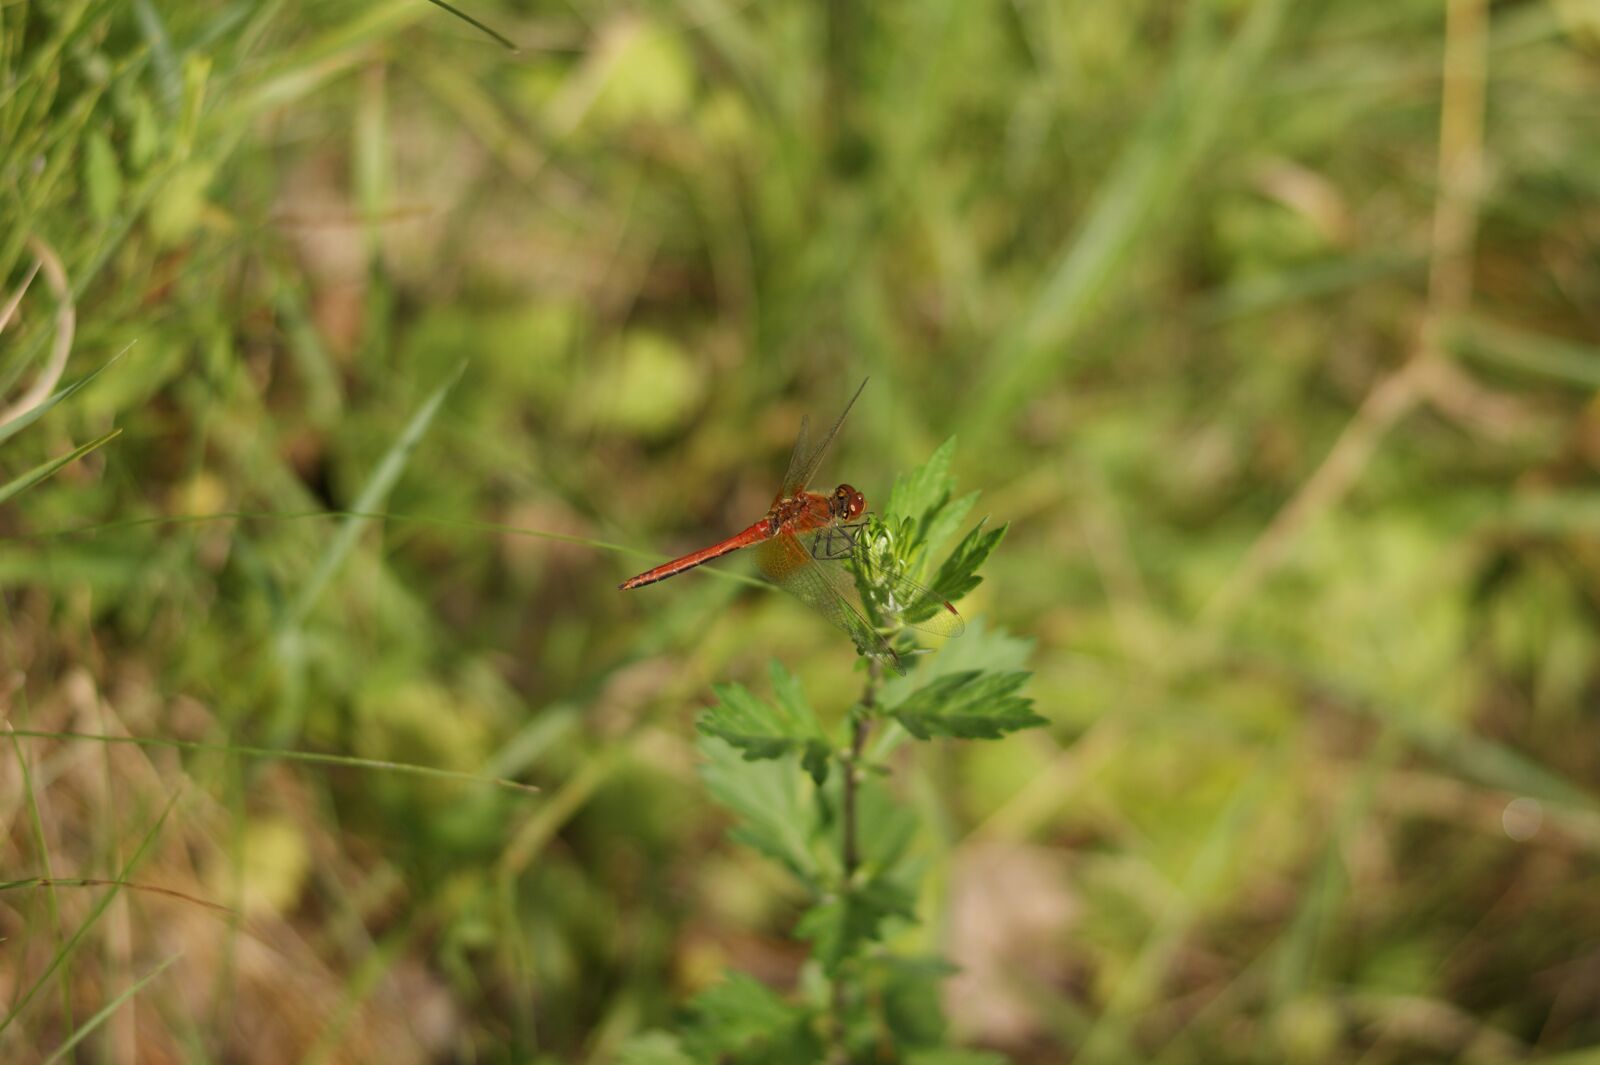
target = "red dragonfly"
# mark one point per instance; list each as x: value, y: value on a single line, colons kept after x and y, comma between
x: 802, y: 544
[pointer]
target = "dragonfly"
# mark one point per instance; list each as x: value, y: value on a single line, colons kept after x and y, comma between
x: 802, y: 545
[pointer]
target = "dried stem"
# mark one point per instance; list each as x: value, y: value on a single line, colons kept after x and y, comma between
x: 66, y: 320
x: 1425, y: 374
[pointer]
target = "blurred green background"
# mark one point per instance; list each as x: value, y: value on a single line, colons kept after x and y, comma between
x: 1273, y: 329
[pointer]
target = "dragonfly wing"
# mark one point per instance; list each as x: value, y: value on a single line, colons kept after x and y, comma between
x: 804, y: 460
x: 918, y: 605
x: 891, y: 593
x: 798, y: 458
x: 825, y: 588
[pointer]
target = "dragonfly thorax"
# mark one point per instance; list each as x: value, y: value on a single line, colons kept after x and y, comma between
x: 812, y: 510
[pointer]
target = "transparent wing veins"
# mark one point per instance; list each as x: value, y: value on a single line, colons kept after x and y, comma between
x: 823, y: 587
x: 803, y: 461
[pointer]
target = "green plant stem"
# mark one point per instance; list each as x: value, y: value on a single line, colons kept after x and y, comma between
x: 860, y: 728
x: 852, y: 854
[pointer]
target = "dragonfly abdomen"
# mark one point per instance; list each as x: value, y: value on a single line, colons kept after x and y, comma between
x: 758, y: 532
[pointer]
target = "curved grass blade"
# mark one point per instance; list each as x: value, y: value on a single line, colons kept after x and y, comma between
x: 469, y: 20
x: 277, y: 754
x: 91, y: 881
x: 470, y: 524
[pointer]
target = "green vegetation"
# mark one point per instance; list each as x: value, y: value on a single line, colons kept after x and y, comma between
x: 349, y: 360
x: 848, y: 844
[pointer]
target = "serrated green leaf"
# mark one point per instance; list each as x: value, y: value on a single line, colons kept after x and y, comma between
x: 968, y: 705
x: 743, y: 1020
x: 769, y: 730
x: 773, y: 800
x: 921, y: 511
x: 841, y: 923
x: 880, y: 561
x: 886, y: 827
x: 818, y: 753
x: 754, y: 726
x: 928, y: 486
x: 941, y: 523
x: 743, y: 1007
x: 959, y: 574
x: 980, y: 648
x: 909, y: 989
x: 45, y: 469
x: 791, y: 697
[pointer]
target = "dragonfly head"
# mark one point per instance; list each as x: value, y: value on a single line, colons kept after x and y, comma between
x: 847, y: 504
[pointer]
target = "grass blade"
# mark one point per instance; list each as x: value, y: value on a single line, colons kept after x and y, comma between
x: 469, y: 20
x: 108, y: 1009
x: 1181, y: 124
x: 288, y: 641
x: 277, y: 754
x: 95, y: 914
x: 40, y: 472
x: 41, y: 842
x: 51, y: 883
x: 372, y: 495
x: 11, y: 428
x: 1568, y: 361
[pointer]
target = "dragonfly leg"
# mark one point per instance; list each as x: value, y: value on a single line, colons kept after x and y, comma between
x: 836, y: 542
